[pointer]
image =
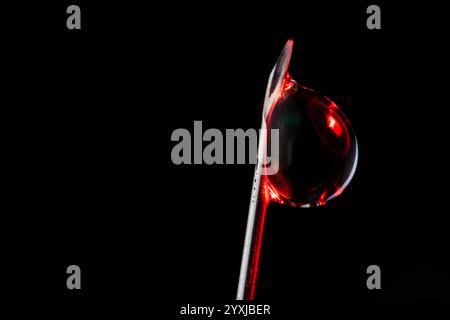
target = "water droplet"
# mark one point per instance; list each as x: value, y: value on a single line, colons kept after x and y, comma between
x: 318, y: 148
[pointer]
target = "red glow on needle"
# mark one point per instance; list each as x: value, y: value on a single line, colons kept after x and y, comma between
x: 259, y: 232
x: 268, y: 193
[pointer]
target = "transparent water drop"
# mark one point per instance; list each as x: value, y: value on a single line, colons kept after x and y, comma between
x: 318, y: 148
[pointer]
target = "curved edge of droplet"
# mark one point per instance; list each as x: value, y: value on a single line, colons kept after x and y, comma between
x: 350, y: 176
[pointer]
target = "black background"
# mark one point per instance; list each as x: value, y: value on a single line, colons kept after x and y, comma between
x: 88, y: 178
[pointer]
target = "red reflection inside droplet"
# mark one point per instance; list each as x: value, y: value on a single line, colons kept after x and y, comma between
x: 334, y: 125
